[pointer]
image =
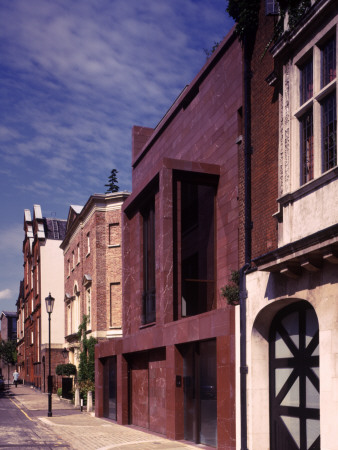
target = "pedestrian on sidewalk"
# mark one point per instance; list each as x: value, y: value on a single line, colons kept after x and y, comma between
x: 15, y: 378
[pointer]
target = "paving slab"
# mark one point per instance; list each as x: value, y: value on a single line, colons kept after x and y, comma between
x: 84, y: 431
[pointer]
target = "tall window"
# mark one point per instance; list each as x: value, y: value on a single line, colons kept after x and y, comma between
x: 78, y: 253
x: 88, y: 243
x: 114, y: 307
x: 196, y: 247
x: 329, y: 62
x: 89, y: 306
x: 307, y: 146
x: 306, y: 82
x: 317, y: 114
x: 37, y: 279
x: 329, y: 122
x: 148, y: 298
x: 114, y: 234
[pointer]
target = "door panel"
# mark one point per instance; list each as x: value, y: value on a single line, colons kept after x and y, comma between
x: 294, y: 379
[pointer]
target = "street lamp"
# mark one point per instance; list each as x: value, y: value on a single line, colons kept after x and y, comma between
x: 49, y: 306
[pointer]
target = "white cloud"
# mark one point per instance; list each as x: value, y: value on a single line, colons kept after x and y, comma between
x: 75, y: 77
x: 5, y: 294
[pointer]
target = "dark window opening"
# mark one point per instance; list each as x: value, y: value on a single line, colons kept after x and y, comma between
x: 329, y: 120
x: 306, y: 82
x: 197, y: 244
x: 271, y: 7
x: 329, y: 62
x: 148, y: 297
x: 306, y: 123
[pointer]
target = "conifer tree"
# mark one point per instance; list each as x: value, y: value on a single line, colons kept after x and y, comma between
x: 112, y: 185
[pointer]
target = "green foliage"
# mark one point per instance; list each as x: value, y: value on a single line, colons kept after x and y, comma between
x: 59, y: 392
x: 245, y: 13
x: 87, y: 356
x: 296, y: 10
x: 65, y: 369
x: 8, y: 352
x: 211, y: 51
x: 112, y: 185
x: 85, y: 387
x: 231, y: 290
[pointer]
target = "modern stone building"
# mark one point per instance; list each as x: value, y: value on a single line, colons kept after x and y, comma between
x: 292, y: 308
x: 93, y: 270
x: 43, y: 274
x: 173, y: 372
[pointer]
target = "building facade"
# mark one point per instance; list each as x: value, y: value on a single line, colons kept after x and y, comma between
x: 173, y: 372
x: 43, y: 274
x: 292, y: 313
x: 93, y: 270
x: 8, y: 333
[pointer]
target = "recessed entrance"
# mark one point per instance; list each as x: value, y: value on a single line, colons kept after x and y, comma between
x: 294, y: 379
x: 200, y: 395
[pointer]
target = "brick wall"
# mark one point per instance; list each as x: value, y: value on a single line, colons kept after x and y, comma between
x: 264, y: 140
x: 103, y: 264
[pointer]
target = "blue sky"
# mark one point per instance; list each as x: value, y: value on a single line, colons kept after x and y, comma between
x: 75, y: 76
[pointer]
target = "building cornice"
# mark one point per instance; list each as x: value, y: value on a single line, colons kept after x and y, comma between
x: 96, y: 203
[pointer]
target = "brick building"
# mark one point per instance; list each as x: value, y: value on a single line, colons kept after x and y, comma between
x: 43, y: 274
x: 173, y: 372
x: 93, y: 270
x: 291, y: 318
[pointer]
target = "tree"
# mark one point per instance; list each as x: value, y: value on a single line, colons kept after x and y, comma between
x: 8, y: 352
x: 112, y: 182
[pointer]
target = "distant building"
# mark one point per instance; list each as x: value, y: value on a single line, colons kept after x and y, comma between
x: 43, y: 274
x: 8, y: 325
x: 173, y: 372
x: 8, y: 333
x: 93, y: 270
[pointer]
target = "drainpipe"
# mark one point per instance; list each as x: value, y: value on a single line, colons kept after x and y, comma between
x: 247, y: 237
x: 243, y: 367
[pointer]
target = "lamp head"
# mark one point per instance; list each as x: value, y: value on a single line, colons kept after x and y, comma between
x: 49, y: 303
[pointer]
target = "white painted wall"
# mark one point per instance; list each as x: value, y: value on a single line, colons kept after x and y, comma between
x: 312, y: 212
x: 267, y: 295
x: 52, y: 281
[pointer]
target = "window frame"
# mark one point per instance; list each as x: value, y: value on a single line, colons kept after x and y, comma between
x: 315, y: 101
x: 181, y: 309
x: 149, y: 262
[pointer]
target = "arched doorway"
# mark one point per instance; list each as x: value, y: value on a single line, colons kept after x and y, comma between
x: 294, y: 379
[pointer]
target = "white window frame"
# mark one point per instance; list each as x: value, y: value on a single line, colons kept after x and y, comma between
x: 320, y: 93
x: 88, y: 243
x: 89, y: 306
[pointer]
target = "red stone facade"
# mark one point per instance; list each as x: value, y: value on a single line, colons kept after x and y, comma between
x: 174, y: 368
x: 93, y: 269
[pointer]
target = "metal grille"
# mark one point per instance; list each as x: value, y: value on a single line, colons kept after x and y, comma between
x: 55, y: 226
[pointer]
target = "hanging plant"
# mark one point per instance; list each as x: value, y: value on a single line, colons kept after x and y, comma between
x: 231, y: 290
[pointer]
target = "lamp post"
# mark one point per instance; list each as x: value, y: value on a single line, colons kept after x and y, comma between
x: 49, y: 306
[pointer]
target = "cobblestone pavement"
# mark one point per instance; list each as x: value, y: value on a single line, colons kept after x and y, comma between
x: 82, y: 431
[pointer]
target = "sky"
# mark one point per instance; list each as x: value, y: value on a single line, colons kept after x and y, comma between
x: 75, y: 76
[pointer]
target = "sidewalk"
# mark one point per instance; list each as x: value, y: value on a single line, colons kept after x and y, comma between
x: 83, y: 431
